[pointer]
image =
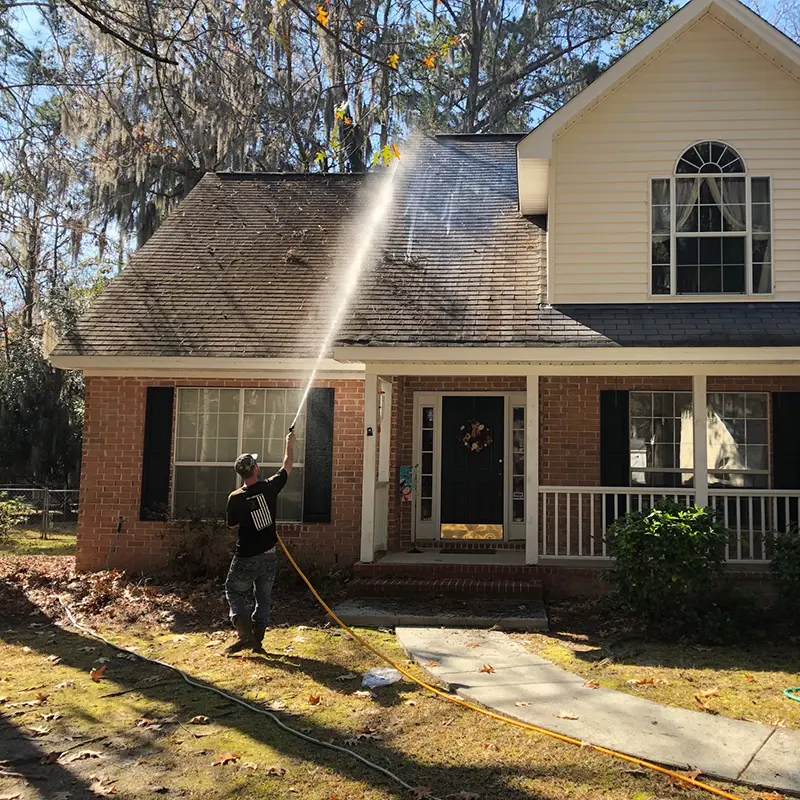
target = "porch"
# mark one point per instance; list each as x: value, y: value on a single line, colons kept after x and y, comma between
x: 745, y: 468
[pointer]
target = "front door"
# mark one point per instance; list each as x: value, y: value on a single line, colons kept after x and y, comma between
x: 472, y: 467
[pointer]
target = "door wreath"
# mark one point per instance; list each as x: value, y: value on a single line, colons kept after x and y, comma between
x: 475, y: 436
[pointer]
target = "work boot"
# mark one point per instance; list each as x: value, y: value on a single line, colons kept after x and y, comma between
x: 258, y: 637
x: 244, y: 629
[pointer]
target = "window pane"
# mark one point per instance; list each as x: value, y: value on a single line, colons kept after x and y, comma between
x: 687, y: 251
x: 187, y: 426
x: 203, y: 490
x: 733, y: 249
x: 641, y: 404
x: 427, y: 486
x: 229, y: 400
x: 187, y: 450
x: 427, y: 440
x: 733, y: 279
x: 761, y: 249
x: 757, y: 457
x: 710, y: 280
x: 663, y: 404
x: 253, y: 426
x: 226, y: 450
x: 426, y: 509
x: 761, y: 221
x: 733, y: 405
x: 660, y: 192
x: 427, y: 463
x: 711, y: 250
x: 762, y: 278
x: 275, y: 402
x: 273, y: 450
x: 254, y: 401
x: 518, y: 510
x: 759, y: 190
x: 427, y: 417
x: 686, y: 218
x: 290, y: 500
x: 660, y: 219
x: 228, y: 425
x: 661, y: 280
x: 660, y: 254
x: 710, y: 219
x: 642, y: 430
x: 755, y: 405
x: 188, y: 400
x: 519, y: 416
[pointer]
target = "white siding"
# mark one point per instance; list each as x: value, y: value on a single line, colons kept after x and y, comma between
x: 708, y: 85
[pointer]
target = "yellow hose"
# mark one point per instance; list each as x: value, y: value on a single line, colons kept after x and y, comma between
x: 501, y: 717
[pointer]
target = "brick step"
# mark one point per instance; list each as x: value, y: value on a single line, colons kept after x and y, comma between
x: 451, y: 570
x: 463, y: 588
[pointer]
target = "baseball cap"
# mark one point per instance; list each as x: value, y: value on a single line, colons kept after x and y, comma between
x: 246, y: 463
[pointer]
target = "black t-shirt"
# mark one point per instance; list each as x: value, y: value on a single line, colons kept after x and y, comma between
x: 253, y: 509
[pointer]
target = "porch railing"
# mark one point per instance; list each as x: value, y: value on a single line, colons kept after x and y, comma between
x: 573, y: 519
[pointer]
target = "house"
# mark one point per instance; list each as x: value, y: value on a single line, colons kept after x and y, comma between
x: 557, y: 327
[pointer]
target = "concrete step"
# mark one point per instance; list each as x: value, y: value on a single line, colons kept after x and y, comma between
x: 465, y: 588
x: 444, y: 613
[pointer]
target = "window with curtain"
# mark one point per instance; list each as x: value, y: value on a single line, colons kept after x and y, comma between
x: 662, y: 439
x: 711, y: 226
x: 214, y: 426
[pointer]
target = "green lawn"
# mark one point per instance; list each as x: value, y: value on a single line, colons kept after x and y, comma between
x: 133, y: 728
x: 60, y: 541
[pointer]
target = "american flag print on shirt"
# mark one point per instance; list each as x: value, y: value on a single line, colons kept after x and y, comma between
x: 259, y: 512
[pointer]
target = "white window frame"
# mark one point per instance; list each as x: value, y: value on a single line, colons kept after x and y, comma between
x: 709, y: 471
x: 673, y: 234
x: 267, y: 466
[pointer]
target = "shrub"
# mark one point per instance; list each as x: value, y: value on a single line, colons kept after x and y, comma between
x: 786, y: 567
x: 200, y: 547
x: 666, y: 562
x: 12, y: 514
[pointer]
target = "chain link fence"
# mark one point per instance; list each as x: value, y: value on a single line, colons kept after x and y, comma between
x: 48, y: 509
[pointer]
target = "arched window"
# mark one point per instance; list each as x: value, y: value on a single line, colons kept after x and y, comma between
x: 711, y: 226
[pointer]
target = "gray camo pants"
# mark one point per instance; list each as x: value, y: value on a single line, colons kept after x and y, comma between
x: 250, y: 578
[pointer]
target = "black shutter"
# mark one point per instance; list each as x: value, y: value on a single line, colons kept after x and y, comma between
x: 615, y: 456
x: 318, y: 478
x: 614, y: 439
x: 157, y: 452
x: 786, y: 452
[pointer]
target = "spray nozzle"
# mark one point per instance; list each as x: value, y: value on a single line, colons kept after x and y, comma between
x: 291, y: 428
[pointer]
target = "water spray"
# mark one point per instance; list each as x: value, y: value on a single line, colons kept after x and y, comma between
x: 379, y: 209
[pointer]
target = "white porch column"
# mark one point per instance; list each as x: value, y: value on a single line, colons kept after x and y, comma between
x: 370, y: 464
x: 700, y: 440
x: 384, y: 488
x: 532, y: 470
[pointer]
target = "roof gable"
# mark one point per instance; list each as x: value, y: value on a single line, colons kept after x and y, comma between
x: 535, y: 149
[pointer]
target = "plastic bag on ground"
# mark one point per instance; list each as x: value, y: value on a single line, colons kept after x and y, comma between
x: 380, y: 676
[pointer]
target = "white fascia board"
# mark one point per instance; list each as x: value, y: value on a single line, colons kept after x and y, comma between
x: 539, y: 142
x: 561, y: 355
x: 175, y: 366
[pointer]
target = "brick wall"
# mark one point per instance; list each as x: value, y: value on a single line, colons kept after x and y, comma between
x: 111, y: 475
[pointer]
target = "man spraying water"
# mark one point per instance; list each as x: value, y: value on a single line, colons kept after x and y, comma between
x: 252, y: 510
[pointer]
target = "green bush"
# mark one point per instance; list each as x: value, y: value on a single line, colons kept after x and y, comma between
x: 667, y: 560
x: 13, y: 513
x: 786, y: 567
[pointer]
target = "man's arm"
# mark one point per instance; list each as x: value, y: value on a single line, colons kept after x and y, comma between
x: 288, y: 456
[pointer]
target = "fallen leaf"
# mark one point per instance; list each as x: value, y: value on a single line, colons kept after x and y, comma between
x: 361, y: 693
x: 62, y: 796
x: 127, y: 656
x: 592, y: 685
x: 41, y: 697
x: 103, y: 787
x: 642, y: 682
x: 693, y: 776
x: 97, y: 674
x: 314, y: 699
x: 703, y: 705
x: 10, y: 796
x: 486, y: 668
x: 54, y: 659
x: 276, y: 772
x: 491, y: 746
x: 411, y: 702
x: 421, y: 792
x: 228, y: 758
x: 567, y: 715
x: 200, y: 720
x: 147, y: 722
x: 277, y: 705
x: 27, y: 649
x: 522, y: 704
x: 472, y: 644
x: 349, y: 676
x: 749, y: 678
x: 65, y: 685
x: 3, y: 700
x: 770, y: 796
x: 103, y: 660
x: 51, y: 758
x: 87, y: 649
x: 40, y: 731
x: 431, y: 664
x: 708, y: 693
x: 83, y: 755
x: 780, y: 723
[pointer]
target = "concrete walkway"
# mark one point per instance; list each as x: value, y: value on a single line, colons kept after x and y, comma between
x: 755, y: 754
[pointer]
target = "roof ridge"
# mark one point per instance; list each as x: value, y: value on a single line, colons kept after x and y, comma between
x: 253, y: 175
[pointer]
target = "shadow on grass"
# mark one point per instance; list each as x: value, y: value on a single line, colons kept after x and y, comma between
x: 444, y: 777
